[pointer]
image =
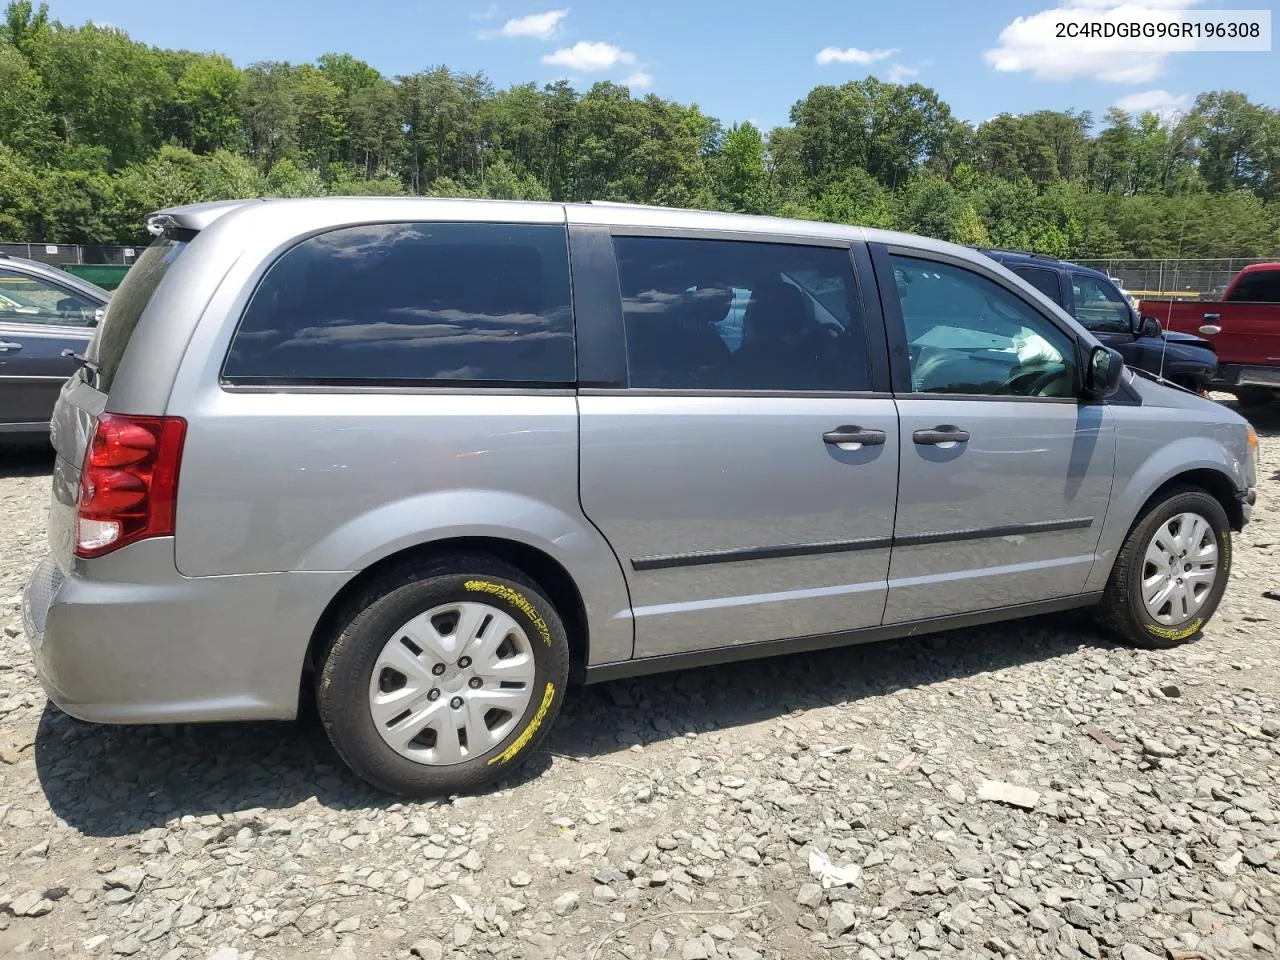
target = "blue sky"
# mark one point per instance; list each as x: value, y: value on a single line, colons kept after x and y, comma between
x: 738, y: 59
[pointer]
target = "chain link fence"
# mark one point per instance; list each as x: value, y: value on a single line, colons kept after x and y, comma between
x: 61, y: 254
x: 1181, y: 279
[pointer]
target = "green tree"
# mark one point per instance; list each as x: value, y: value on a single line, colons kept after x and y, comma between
x: 209, y: 103
x: 743, y: 175
x: 104, y: 89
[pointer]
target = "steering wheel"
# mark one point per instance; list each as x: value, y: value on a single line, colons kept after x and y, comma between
x: 1028, y: 384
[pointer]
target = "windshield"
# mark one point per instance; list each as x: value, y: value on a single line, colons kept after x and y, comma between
x: 127, y: 304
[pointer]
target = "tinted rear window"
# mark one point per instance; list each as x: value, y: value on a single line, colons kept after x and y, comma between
x: 126, y: 306
x: 1261, y: 287
x: 452, y: 302
x: 1046, y: 281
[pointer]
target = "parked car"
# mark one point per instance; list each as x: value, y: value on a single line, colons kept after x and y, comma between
x: 1094, y: 299
x: 1244, y: 327
x: 436, y: 458
x: 44, y: 312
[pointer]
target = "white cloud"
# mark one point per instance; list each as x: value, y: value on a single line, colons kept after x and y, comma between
x: 542, y: 26
x: 1031, y: 43
x: 828, y: 55
x: 488, y: 13
x: 587, y: 57
x: 1163, y: 104
x: 898, y: 73
x: 639, y: 79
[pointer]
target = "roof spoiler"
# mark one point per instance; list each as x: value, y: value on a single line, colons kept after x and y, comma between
x: 194, y: 216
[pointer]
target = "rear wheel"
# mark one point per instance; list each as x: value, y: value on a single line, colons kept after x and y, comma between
x: 1171, y: 573
x: 445, y: 678
x: 1254, y: 396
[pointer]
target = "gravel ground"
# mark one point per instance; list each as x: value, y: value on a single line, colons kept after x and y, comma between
x: 1133, y: 808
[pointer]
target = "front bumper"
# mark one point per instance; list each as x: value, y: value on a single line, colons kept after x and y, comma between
x: 1247, y: 500
x: 127, y: 639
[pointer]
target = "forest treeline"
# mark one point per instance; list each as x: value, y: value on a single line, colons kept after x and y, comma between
x: 97, y: 129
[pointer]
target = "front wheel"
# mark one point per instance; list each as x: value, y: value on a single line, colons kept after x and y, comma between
x: 1254, y: 396
x: 444, y: 678
x: 1171, y: 573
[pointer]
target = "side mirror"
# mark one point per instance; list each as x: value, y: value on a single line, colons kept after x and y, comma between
x: 1102, y: 377
x: 97, y: 316
x: 1149, y: 327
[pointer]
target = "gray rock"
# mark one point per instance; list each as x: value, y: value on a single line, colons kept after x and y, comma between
x: 462, y: 934
x: 1131, y: 951
x: 1078, y: 915
x: 841, y: 918
x: 694, y: 950
x: 659, y: 945
x: 566, y: 903
x: 427, y: 948
x: 31, y: 904
x: 810, y: 895
x: 997, y: 791
x: 124, y: 878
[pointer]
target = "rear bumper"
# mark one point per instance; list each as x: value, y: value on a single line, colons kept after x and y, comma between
x: 127, y: 639
x: 1233, y: 375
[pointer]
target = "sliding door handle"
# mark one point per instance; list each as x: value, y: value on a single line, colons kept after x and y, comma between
x: 944, y: 434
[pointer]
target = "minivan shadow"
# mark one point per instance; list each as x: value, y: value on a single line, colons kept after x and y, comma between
x: 32, y: 458
x: 112, y: 781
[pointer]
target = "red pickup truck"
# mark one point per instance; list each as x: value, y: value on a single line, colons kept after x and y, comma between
x: 1244, y: 328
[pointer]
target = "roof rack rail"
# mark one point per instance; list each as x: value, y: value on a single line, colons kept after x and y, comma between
x: 1019, y: 253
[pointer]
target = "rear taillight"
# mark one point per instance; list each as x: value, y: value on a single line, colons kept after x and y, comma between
x: 129, y: 485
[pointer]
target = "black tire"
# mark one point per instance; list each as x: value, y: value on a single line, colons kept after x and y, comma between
x: 342, y: 683
x: 1122, y: 611
x: 1254, y: 396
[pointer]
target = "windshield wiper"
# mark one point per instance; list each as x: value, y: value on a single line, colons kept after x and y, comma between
x: 85, y: 364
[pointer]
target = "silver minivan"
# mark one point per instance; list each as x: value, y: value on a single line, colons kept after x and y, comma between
x: 440, y: 458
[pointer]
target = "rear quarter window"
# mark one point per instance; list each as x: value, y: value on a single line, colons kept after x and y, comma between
x: 475, y: 303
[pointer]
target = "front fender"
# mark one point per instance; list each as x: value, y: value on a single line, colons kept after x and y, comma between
x: 449, y: 514
x: 1140, y: 473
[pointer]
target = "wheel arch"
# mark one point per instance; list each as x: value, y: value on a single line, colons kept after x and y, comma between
x: 1216, y: 483
x: 1148, y: 486
x: 544, y: 570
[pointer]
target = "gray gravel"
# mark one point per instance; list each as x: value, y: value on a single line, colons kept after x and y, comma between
x: 1027, y: 790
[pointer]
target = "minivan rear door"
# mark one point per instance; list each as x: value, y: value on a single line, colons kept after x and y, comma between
x: 741, y: 453
x: 84, y: 396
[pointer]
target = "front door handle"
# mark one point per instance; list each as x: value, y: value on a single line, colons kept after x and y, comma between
x: 8, y: 346
x: 1213, y: 316
x: 853, y: 437
x: 944, y: 435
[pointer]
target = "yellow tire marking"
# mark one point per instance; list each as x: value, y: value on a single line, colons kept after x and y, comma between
x: 527, y: 734
x: 514, y: 598
x: 1169, y: 633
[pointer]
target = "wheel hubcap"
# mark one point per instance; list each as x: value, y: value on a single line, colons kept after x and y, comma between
x: 452, y: 683
x: 1180, y: 569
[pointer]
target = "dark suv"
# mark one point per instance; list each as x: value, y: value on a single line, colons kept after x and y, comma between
x: 1092, y: 298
